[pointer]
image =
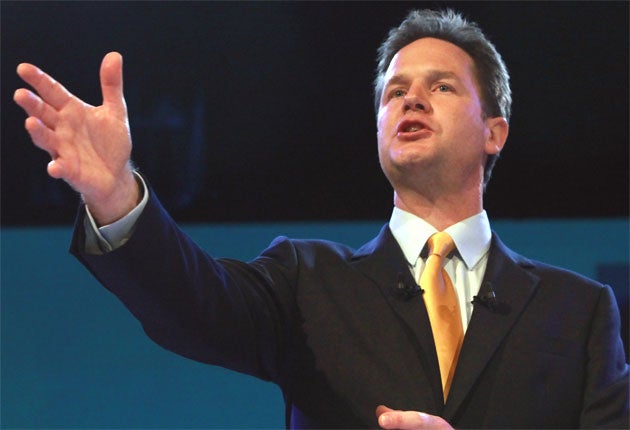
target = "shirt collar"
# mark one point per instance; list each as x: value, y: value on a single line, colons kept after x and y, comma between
x: 471, y: 236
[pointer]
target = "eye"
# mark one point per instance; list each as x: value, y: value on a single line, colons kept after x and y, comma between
x: 397, y: 93
x: 443, y: 88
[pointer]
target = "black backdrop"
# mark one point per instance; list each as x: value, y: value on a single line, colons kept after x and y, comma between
x: 263, y: 111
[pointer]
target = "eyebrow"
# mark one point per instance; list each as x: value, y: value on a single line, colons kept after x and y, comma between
x: 436, y: 75
x: 430, y: 76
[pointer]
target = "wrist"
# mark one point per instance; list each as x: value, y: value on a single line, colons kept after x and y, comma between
x: 125, y: 195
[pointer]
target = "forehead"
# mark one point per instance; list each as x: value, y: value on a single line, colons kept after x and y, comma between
x: 431, y: 54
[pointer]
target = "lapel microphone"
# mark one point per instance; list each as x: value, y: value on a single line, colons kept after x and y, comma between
x: 487, y: 299
x: 406, y: 292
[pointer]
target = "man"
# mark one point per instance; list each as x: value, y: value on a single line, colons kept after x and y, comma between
x: 347, y: 334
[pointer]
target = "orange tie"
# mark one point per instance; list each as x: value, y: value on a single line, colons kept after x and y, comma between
x: 442, y: 306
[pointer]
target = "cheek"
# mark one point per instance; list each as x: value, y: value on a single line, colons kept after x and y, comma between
x: 386, y: 118
x: 466, y: 111
x: 381, y: 126
x: 468, y: 120
x: 380, y: 118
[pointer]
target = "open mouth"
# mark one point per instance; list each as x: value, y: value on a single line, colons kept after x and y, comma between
x: 411, y: 126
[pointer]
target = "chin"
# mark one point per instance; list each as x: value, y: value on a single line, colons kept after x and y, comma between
x: 409, y: 158
x: 396, y: 170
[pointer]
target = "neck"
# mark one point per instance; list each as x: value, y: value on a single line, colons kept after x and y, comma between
x: 442, y: 209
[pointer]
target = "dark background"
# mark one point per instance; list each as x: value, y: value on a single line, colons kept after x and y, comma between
x: 263, y: 111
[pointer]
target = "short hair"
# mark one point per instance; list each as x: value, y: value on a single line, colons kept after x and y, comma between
x: 490, y: 71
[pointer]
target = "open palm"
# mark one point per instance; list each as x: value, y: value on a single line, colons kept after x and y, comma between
x: 90, y: 146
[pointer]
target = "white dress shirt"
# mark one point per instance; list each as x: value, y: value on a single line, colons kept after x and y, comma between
x: 465, y: 267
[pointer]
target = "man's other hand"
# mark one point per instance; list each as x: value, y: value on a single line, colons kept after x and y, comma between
x: 408, y: 420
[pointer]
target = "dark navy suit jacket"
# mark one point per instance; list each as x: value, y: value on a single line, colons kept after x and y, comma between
x: 329, y: 326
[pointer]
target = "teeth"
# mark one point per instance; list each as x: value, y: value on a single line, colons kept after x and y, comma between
x: 413, y: 128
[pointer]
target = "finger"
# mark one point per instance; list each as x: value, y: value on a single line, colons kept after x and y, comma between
x: 401, y: 420
x: 45, y: 139
x: 112, y: 82
x: 381, y: 409
x: 411, y: 420
x: 41, y: 136
x: 393, y: 419
x: 50, y: 91
x: 55, y: 169
x: 35, y: 106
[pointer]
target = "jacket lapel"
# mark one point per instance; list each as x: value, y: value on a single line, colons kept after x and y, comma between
x: 513, y: 285
x: 384, y: 263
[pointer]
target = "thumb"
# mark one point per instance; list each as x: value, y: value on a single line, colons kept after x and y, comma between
x: 112, y: 81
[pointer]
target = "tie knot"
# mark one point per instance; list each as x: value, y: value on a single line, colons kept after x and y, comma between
x: 441, y: 244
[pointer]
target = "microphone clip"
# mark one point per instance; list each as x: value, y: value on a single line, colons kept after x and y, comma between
x: 405, y: 291
x: 488, y: 299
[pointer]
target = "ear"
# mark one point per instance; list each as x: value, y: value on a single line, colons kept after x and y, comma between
x: 498, y: 129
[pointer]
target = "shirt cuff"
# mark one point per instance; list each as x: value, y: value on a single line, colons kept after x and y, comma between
x: 100, y: 240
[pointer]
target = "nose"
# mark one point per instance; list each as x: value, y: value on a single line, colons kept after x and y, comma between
x: 414, y: 102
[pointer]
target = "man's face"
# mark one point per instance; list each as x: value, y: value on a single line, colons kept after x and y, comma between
x: 430, y: 120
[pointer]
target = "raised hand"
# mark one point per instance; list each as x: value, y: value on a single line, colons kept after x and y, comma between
x: 409, y: 420
x: 90, y: 146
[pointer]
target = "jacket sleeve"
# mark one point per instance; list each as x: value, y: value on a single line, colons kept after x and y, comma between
x: 218, y: 311
x: 606, y: 403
